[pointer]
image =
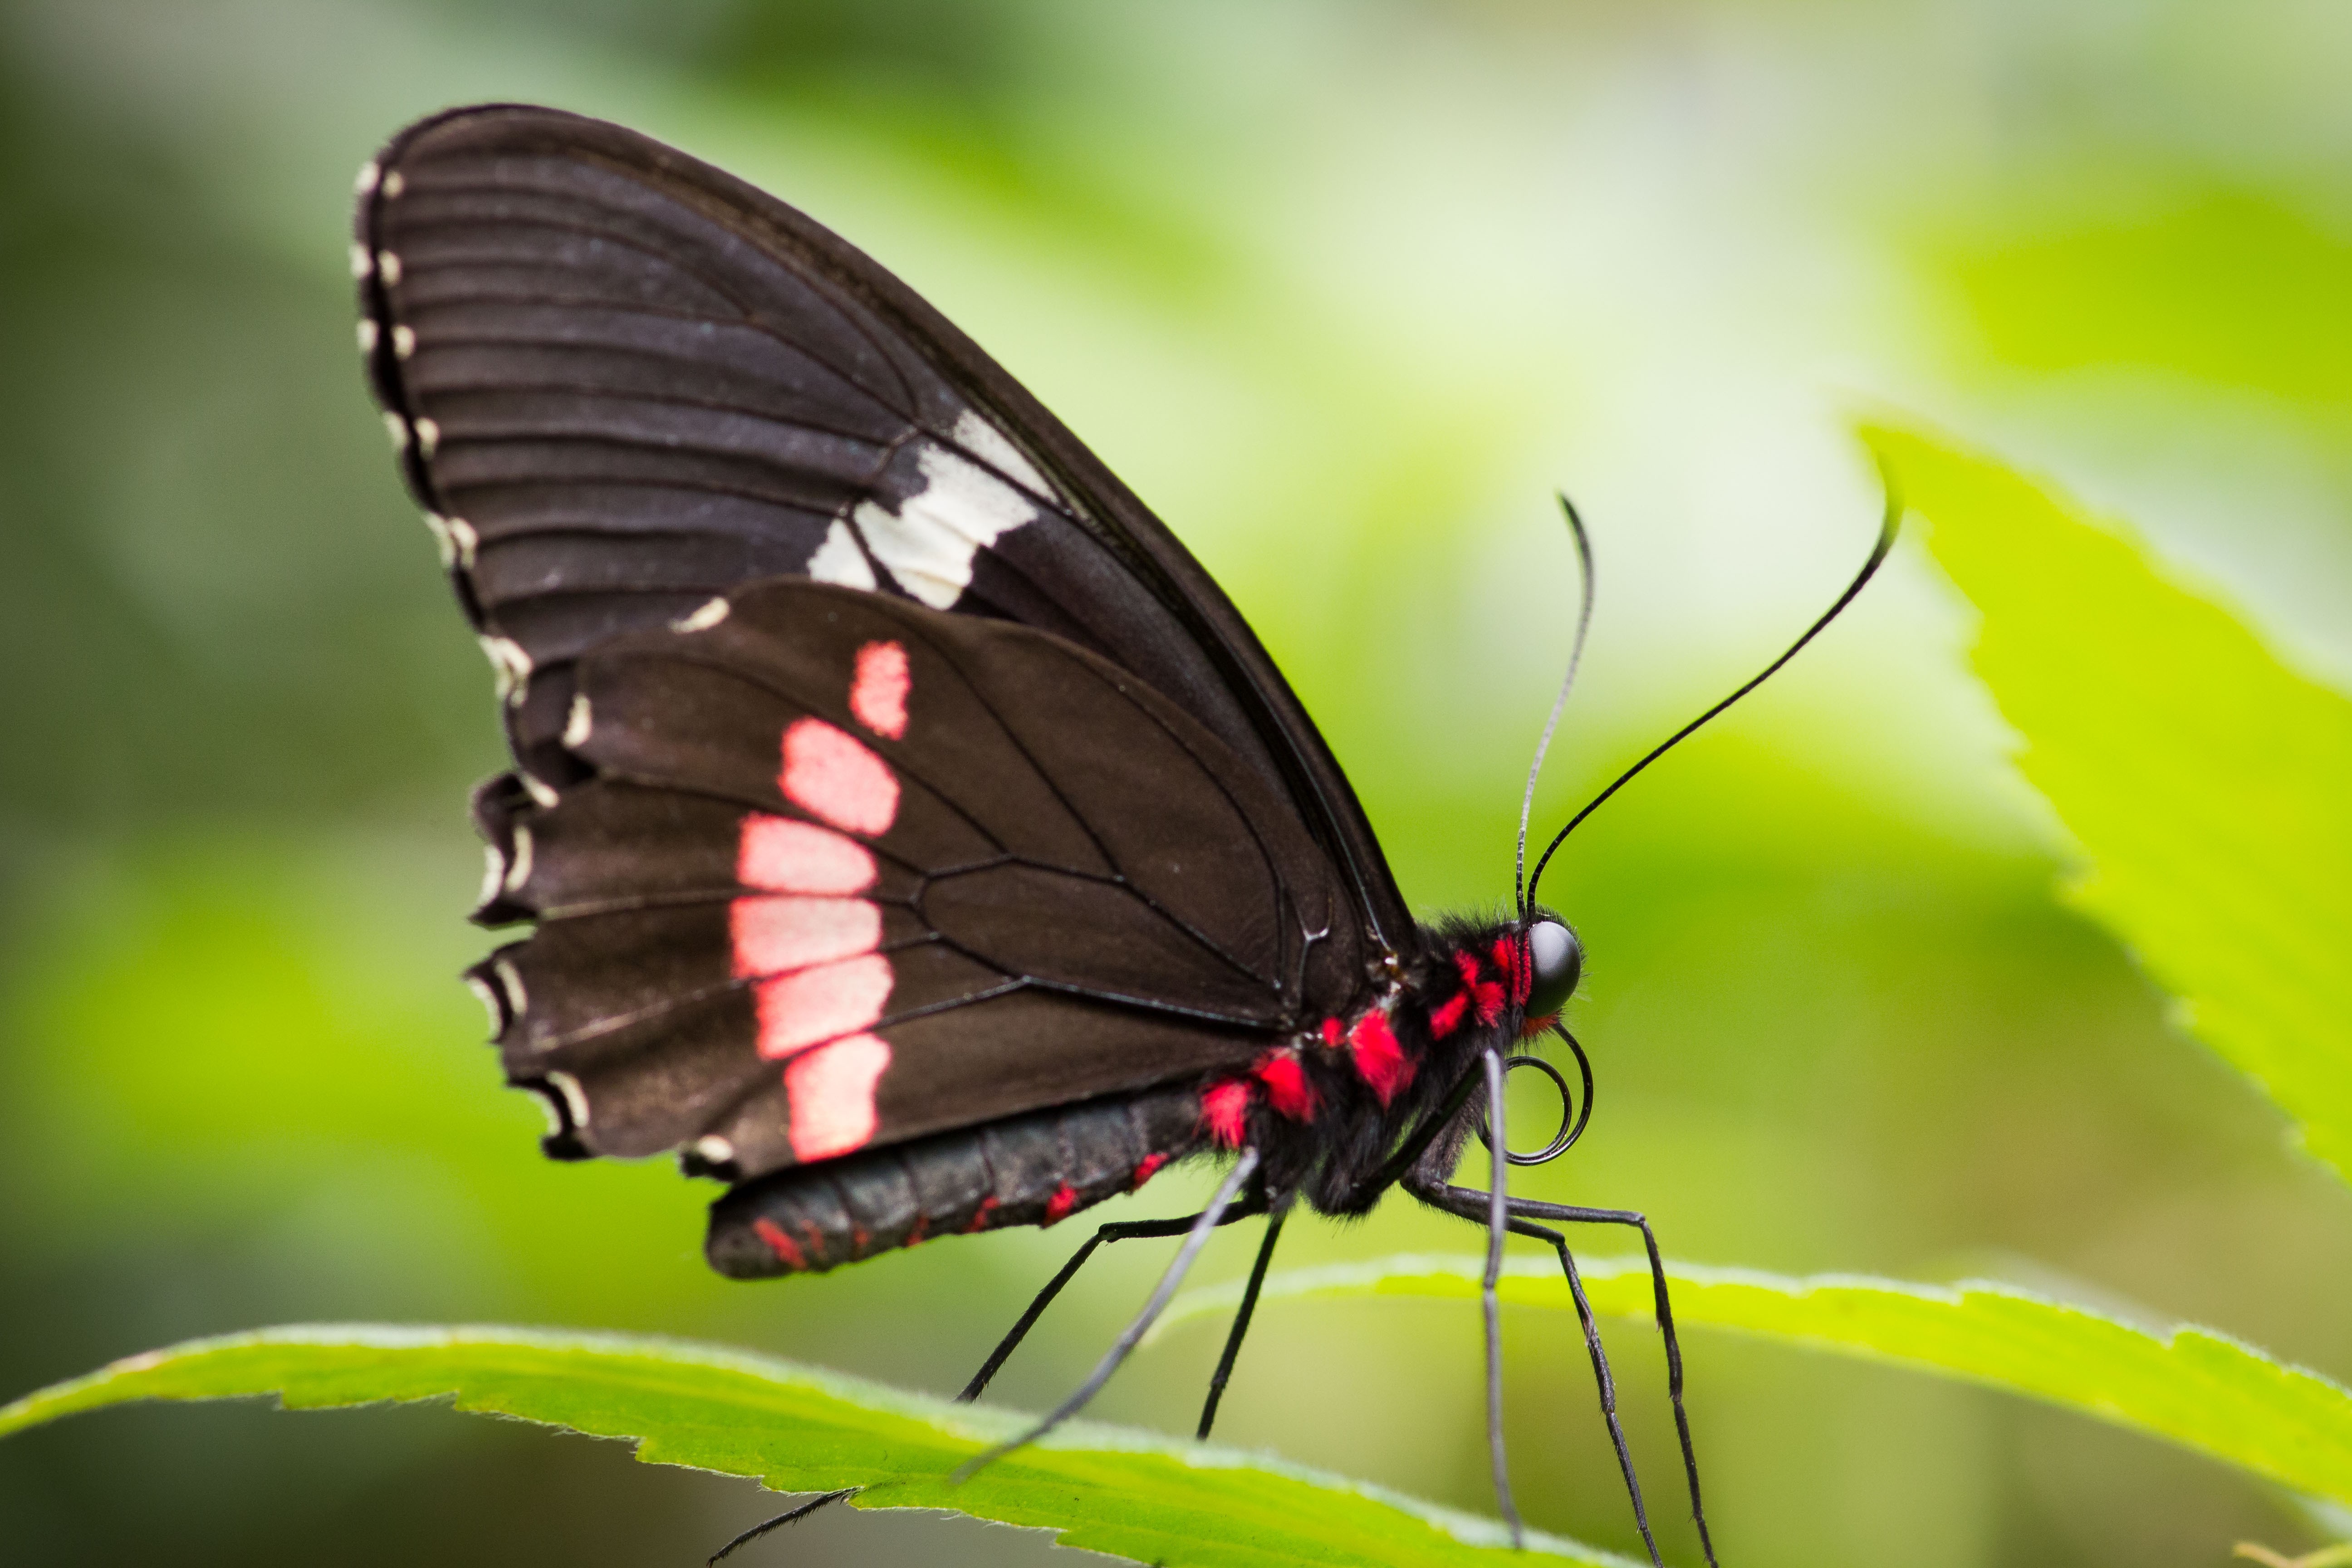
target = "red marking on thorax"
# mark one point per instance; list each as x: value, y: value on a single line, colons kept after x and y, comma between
x: 783, y: 855
x: 772, y: 935
x: 1286, y: 1088
x: 783, y: 1246
x: 878, y: 692
x: 1486, y: 996
x: 1448, y: 1017
x: 829, y: 1092
x: 1058, y: 1206
x: 1147, y: 1169
x: 809, y: 1007
x: 829, y: 773
x: 1332, y: 1031
x: 1381, y: 1060
x: 1510, y: 955
x: 1224, y: 1110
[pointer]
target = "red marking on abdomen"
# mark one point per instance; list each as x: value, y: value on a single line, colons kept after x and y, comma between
x: 772, y: 935
x: 878, y: 692
x: 980, y: 1215
x: 813, y: 1005
x: 1058, y: 1206
x: 786, y: 1249
x: 922, y: 1223
x: 1381, y: 1061
x: 830, y: 1093
x: 829, y: 773
x: 1225, y: 1111
x: 1147, y: 1169
x: 1286, y: 1088
x: 783, y: 855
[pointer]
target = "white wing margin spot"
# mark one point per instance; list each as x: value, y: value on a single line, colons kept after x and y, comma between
x: 929, y: 543
x: 991, y: 447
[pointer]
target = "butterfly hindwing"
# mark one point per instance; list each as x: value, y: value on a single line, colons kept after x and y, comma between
x: 622, y: 382
x: 844, y: 869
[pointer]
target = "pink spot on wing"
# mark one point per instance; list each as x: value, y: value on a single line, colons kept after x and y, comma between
x: 830, y: 1092
x: 811, y: 1006
x: 878, y: 692
x: 782, y: 854
x: 772, y: 935
x: 829, y: 773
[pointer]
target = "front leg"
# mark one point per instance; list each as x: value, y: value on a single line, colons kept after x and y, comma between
x: 1470, y: 1204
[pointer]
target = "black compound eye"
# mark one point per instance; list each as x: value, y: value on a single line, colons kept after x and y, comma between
x: 1558, y: 959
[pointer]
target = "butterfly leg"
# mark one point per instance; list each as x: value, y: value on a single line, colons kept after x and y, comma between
x: 1124, y: 1230
x: 1278, y: 1211
x: 790, y: 1516
x: 1220, y: 1209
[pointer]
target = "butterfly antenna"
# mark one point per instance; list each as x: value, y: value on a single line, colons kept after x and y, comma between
x: 1567, y: 682
x: 1886, y: 542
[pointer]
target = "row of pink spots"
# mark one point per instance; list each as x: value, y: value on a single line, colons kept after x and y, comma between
x: 807, y: 939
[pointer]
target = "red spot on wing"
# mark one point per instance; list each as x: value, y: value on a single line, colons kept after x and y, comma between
x: 1058, y: 1206
x: 1225, y: 1111
x: 829, y: 773
x: 1381, y: 1060
x: 1147, y: 1169
x: 783, y: 855
x: 786, y: 1249
x: 830, y: 1094
x: 878, y: 692
x: 813, y: 1005
x: 1286, y: 1088
x: 772, y: 935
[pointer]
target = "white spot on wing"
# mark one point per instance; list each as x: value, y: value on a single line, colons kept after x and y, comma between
x: 397, y: 427
x: 713, y: 1150
x: 367, y: 335
x: 494, y: 877
x: 393, y: 183
x: 428, y: 436
x: 928, y: 545
x: 403, y: 341
x: 575, y: 1099
x: 702, y: 619
x: 541, y: 792
x: 442, y: 538
x: 360, y: 263
x: 838, y: 560
x: 462, y: 534
x: 366, y: 182
x: 518, y: 872
x: 388, y: 265
x: 989, y: 445
x: 509, y: 664
x: 510, y: 985
x: 576, y: 723
x: 483, y: 991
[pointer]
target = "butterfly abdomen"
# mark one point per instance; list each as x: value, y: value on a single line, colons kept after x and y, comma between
x: 1025, y: 1169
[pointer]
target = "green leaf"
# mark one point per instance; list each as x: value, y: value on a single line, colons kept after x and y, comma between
x: 2190, y: 1386
x: 1133, y: 1494
x: 2209, y: 786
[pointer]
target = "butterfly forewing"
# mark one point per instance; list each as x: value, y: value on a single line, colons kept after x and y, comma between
x: 624, y: 382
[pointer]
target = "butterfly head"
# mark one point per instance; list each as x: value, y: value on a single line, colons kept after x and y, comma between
x: 1555, y: 960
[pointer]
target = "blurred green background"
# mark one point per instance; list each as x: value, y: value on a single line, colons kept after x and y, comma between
x: 1344, y: 289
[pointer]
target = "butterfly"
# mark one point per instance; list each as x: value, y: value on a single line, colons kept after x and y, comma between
x: 914, y: 835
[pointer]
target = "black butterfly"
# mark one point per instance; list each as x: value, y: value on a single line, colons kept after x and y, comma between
x: 917, y: 839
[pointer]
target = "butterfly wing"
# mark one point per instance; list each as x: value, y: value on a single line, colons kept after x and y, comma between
x: 778, y: 921
x: 623, y: 382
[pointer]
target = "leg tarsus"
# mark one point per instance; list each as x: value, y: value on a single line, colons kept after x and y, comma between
x: 1280, y: 1212
x: 790, y: 1516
